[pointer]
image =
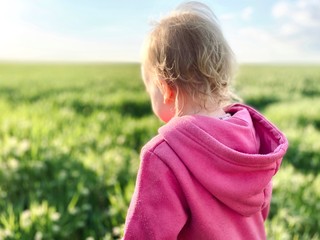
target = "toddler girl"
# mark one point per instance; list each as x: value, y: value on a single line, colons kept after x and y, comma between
x: 207, y: 174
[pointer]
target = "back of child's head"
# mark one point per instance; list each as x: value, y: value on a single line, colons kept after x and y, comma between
x: 188, y: 50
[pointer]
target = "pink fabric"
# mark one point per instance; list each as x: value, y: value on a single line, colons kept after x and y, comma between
x: 206, y: 178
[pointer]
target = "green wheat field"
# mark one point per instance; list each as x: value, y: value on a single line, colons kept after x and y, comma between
x: 70, y: 137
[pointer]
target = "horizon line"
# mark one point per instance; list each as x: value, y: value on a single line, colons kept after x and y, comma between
x: 74, y: 62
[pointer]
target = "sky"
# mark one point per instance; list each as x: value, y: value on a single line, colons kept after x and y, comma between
x: 273, y: 31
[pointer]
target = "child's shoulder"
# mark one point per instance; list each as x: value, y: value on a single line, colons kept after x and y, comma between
x: 159, y: 144
x: 153, y: 144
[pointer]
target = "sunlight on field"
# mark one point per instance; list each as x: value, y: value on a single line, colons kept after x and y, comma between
x: 70, y: 137
x: 290, y: 97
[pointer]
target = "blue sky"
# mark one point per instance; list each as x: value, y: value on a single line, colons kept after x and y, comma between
x: 281, y: 31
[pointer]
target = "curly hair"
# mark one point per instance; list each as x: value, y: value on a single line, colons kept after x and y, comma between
x: 188, y: 50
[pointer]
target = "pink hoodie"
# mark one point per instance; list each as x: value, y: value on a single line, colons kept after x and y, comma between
x: 206, y: 178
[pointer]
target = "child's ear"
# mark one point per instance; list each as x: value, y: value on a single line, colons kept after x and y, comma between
x: 167, y: 92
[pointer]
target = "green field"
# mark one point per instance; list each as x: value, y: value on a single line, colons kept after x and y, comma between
x: 70, y: 137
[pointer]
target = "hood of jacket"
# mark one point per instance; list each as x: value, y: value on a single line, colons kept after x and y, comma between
x: 234, y: 159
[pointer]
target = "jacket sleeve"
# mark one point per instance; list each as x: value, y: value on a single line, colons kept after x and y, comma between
x: 157, y: 208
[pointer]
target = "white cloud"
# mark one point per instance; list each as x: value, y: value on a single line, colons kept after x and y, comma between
x: 37, y: 44
x: 11, y: 24
x: 303, y: 13
x: 244, y: 14
x: 21, y: 40
x: 10, y: 10
x: 288, y: 29
x: 252, y: 44
x: 299, y: 24
x: 227, y: 17
x: 280, y: 9
x: 295, y: 36
x: 247, y: 13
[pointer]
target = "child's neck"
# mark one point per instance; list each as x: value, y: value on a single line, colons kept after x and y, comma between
x: 212, y: 111
x: 215, y: 113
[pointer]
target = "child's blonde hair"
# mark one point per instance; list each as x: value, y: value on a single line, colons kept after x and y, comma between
x: 188, y: 50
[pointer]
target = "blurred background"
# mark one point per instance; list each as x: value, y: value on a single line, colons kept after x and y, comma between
x: 74, y: 112
x: 258, y: 31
